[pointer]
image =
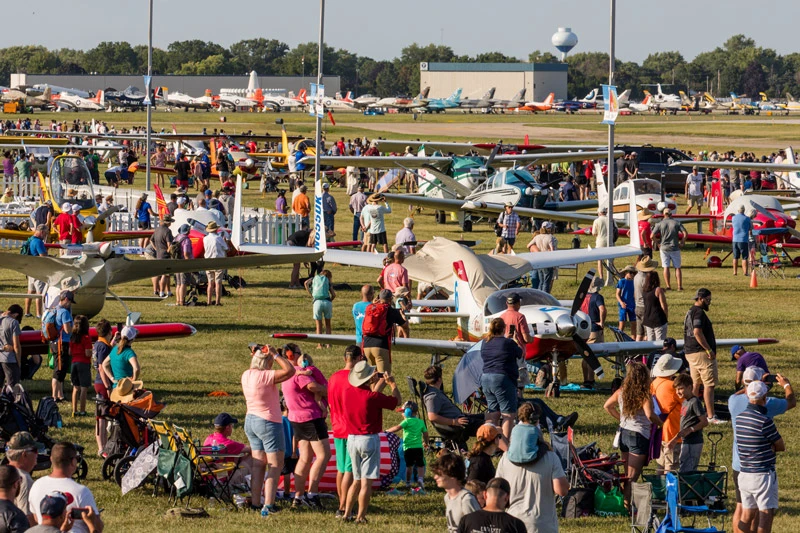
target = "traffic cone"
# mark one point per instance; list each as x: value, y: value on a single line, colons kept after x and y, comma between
x: 753, y: 279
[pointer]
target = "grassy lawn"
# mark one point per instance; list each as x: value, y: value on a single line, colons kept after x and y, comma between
x: 183, y: 372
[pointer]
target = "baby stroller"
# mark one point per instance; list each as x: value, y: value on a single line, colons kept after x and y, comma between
x: 129, y: 431
x: 17, y: 414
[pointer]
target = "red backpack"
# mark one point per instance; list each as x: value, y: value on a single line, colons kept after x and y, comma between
x: 376, y: 321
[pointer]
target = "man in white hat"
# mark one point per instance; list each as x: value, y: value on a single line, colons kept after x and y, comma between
x: 669, y: 404
x: 645, y: 265
x: 758, y: 442
x: 214, y: 247
x: 738, y: 404
x: 363, y: 406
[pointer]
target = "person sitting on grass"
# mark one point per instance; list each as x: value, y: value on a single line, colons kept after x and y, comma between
x: 449, y: 472
x: 486, y: 444
x: 477, y: 488
x: 415, y: 440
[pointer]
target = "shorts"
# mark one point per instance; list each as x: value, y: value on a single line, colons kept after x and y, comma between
x: 11, y: 372
x: 224, y: 174
x: 323, y: 309
x: 101, y: 390
x: 414, y: 457
x: 377, y: 238
x: 703, y: 369
x: 690, y: 456
x: 263, y: 435
x: 639, y: 311
x: 501, y: 393
x: 182, y: 278
x: 36, y: 286
x: 312, y: 431
x: 214, y: 276
x: 379, y: 357
x: 581, y: 180
x: 510, y: 241
x: 343, y: 462
x: 633, y: 442
x: 695, y: 200
x: 655, y: 334
x: 61, y: 375
x: 670, y: 461
x: 81, y: 375
x: 670, y: 258
x: 365, y: 454
x: 741, y: 250
x: 736, y: 486
x: 144, y: 225
x: 627, y: 315
x: 759, y: 490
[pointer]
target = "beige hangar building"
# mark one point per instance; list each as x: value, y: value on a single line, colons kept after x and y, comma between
x: 539, y: 79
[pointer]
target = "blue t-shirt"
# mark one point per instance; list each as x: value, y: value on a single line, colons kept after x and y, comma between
x: 100, y: 351
x: 359, y: 312
x: 143, y: 213
x: 737, y: 404
x: 36, y: 247
x: 742, y: 225
x: 63, y: 316
x: 120, y: 363
x: 627, y: 293
x: 500, y: 356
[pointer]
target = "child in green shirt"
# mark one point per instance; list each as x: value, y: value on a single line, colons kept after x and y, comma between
x: 415, y: 439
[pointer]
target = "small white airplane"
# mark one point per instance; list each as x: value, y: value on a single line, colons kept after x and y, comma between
x: 484, y: 103
x: 71, y: 102
x: 404, y: 103
x: 664, y: 102
x: 514, y: 102
x: 644, y: 191
x: 362, y: 102
x: 234, y: 102
x: 277, y: 102
x: 642, y: 107
x: 181, y: 100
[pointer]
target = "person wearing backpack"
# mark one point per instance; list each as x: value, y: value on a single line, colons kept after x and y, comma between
x: 60, y: 346
x: 10, y: 347
x: 321, y: 290
x: 35, y: 246
x: 377, y: 328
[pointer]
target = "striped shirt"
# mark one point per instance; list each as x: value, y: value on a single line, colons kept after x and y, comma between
x: 755, y: 435
x: 510, y: 220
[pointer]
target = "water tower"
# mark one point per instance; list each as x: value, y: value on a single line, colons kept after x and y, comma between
x: 565, y: 41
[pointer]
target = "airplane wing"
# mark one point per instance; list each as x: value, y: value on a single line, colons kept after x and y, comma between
x: 387, y: 145
x: 354, y: 258
x: 40, y: 267
x: 15, y: 235
x: 640, y: 347
x: 558, y: 258
x: 387, y: 162
x: 124, y: 235
x: 123, y: 269
x: 444, y: 204
x: 554, y: 157
x: 426, y: 346
x: 743, y: 165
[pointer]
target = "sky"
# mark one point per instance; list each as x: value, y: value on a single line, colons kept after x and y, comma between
x: 380, y: 29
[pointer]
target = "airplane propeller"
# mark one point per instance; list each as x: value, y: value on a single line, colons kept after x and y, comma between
x: 760, y: 208
x: 793, y: 232
x: 586, y: 352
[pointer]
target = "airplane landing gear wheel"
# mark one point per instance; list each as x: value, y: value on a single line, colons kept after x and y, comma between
x: 441, y: 217
x: 467, y: 226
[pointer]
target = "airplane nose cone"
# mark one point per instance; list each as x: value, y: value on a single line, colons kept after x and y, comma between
x: 564, y: 326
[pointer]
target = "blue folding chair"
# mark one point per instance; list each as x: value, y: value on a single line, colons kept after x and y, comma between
x: 672, y: 520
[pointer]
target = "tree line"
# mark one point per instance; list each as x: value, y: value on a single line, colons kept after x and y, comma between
x: 737, y: 66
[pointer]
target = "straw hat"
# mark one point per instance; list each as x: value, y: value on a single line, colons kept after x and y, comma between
x: 375, y: 198
x: 666, y: 366
x: 628, y: 268
x: 644, y: 215
x: 646, y: 264
x: 361, y: 374
x: 124, y: 390
x: 212, y: 227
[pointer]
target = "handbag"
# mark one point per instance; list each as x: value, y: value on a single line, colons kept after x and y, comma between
x: 609, y: 503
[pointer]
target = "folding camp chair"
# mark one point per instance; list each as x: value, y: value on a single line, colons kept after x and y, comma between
x: 643, y: 516
x: 167, y: 456
x: 591, y: 468
x: 768, y: 264
x: 450, y: 438
x: 672, y: 519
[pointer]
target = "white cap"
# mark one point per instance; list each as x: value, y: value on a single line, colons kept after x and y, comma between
x: 181, y: 200
x: 757, y: 390
x: 129, y: 333
x: 76, y: 208
x: 66, y: 207
x: 753, y: 373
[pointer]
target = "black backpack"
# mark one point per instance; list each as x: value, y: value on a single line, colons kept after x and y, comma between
x: 578, y: 503
x: 47, y: 412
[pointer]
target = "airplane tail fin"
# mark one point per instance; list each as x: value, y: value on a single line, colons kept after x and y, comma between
x: 348, y: 97
x: 660, y: 92
x: 465, y: 301
x: 259, y: 96
x: 161, y: 204
x: 320, y: 241
x: 647, y: 98
x: 622, y: 99
x: 100, y: 98
x: 456, y: 96
x: 236, y: 223
x: 302, y: 96
x: 550, y: 99
x: 602, y: 189
x: 763, y: 97
x: 425, y: 92
x: 790, y: 97
x: 47, y: 94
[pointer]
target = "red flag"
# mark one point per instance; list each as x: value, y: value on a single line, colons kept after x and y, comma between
x: 527, y: 141
x: 161, y: 204
x: 330, y: 117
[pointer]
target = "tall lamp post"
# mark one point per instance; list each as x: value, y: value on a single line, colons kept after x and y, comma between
x: 317, y: 99
x: 149, y: 95
x: 611, y: 163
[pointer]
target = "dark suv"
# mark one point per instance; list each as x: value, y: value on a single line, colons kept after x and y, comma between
x: 654, y: 160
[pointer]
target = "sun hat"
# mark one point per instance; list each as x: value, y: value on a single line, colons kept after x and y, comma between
x: 487, y: 432
x: 124, y: 390
x: 753, y: 373
x: 167, y: 219
x: 401, y: 291
x: 628, y: 268
x: 666, y: 366
x: 644, y: 215
x: 212, y: 226
x: 75, y: 208
x: 361, y: 373
x: 508, y: 204
x: 646, y: 264
x: 757, y: 390
x: 375, y: 198
x: 66, y: 207
x: 184, y: 229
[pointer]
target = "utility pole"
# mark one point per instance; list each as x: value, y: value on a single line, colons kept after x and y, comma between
x: 611, y: 162
x: 149, y: 96
x: 317, y: 99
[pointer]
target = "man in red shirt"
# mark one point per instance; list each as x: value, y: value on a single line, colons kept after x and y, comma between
x: 337, y: 388
x: 364, y: 403
x: 396, y: 275
x: 63, y: 224
x: 521, y: 333
x: 645, y: 233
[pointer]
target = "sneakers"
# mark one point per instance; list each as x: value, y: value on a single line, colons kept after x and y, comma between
x: 339, y: 513
x: 418, y: 491
x: 313, y: 501
x: 716, y: 421
x: 28, y: 315
x: 271, y: 509
x: 394, y: 492
x: 299, y: 503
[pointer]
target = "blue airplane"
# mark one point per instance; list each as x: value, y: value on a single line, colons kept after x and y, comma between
x: 437, y: 105
x: 570, y: 106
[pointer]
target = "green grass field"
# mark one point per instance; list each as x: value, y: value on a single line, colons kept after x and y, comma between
x: 183, y: 372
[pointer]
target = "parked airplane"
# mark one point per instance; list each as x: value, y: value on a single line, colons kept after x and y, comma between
x: 587, y: 102
x: 547, y: 105
x: 439, y: 105
x: 42, y: 101
x: 362, y: 102
x: 70, y: 102
x: 55, y: 89
x: 483, y: 103
x: 279, y: 103
x: 791, y: 103
x: 515, y: 101
x: 234, y: 102
x: 129, y: 99
x: 187, y: 102
x: 403, y: 103
x: 664, y: 102
x: 765, y: 104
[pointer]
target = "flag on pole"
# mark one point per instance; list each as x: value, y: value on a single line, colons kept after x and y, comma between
x: 330, y: 117
x: 610, y: 104
x: 161, y: 204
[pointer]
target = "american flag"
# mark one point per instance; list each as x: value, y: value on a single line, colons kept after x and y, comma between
x: 390, y: 464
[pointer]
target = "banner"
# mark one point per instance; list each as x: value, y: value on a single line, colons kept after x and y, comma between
x: 610, y: 104
x: 148, y: 89
x: 315, y: 101
x: 319, y: 219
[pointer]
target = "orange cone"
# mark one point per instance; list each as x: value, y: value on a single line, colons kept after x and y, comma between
x: 753, y: 279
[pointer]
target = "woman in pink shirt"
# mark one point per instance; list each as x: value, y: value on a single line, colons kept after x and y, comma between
x: 307, y: 416
x: 263, y: 423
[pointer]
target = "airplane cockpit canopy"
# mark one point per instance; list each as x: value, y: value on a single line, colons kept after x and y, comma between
x: 70, y: 181
x: 646, y: 186
x: 496, y: 303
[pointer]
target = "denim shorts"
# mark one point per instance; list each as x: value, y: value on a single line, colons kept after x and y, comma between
x: 627, y: 315
x: 264, y: 436
x: 500, y: 392
x: 633, y: 442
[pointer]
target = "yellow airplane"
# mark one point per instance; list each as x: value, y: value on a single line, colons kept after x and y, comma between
x: 70, y: 182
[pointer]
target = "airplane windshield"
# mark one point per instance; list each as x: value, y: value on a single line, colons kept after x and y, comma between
x: 71, y: 182
x: 496, y: 303
x: 520, y: 178
x: 647, y: 187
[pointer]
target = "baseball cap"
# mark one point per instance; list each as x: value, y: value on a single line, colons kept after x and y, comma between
x: 735, y: 348
x: 224, y: 419
x: 669, y: 341
x: 547, y: 224
x: 208, y: 192
x: 757, y: 390
x: 53, y: 505
x: 513, y: 298
x: 76, y: 208
x: 487, y: 432
x: 67, y: 295
x: 21, y: 440
x: 181, y: 200
x: 702, y: 293
x: 129, y: 333
x: 326, y: 185
x: 753, y: 373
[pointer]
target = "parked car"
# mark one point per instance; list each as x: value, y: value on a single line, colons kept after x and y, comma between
x: 655, y: 161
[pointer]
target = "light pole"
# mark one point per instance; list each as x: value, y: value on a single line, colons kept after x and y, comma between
x: 149, y: 95
x: 317, y: 99
x: 611, y: 162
